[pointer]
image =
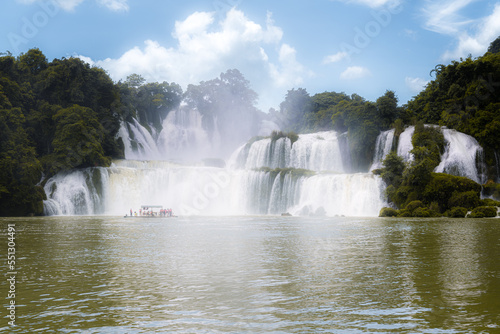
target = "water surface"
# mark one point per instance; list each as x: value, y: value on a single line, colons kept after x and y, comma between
x: 254, y: 274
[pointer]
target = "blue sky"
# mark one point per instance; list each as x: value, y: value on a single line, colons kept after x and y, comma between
x: 351, y: 46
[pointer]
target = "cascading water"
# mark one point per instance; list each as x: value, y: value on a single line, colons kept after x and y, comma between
x: 383, y: 147
x: 139, y: 143
x: 183, y: 136
x: 463, y: 156
x: 316, y: 151
x: 405, y: 145
x: 323, y: 188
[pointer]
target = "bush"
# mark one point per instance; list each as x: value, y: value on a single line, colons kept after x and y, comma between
x: 404, y: 213
x: 422, y: 212
x: 467, y: 199
x: 483, y: 212
x: 492, y: 189
x: 412, y: 206
x: 489, y: 202
x: 456, y: 212
x: 388, y: 212
x: 443, y: 187
x: 275, y: 135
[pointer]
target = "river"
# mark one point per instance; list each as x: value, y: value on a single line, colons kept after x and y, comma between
x: 251, y: 274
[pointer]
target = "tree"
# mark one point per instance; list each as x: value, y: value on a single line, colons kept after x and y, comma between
x: 20, y: 170
x: 135, y: 80
x: 387, y: 109
x: 77, y: 139
x: 296, y: 105
x: 495, y: 46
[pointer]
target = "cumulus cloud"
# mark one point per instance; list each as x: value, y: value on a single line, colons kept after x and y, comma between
x: 205, y: 48
x: 70, y: 5
x: 473, y: 36
x: 355, y: 72
x: 115, y: 5
x: 477, y: 42
x: 335, y: 57
x: 374, y: 3
x: 415, y: 84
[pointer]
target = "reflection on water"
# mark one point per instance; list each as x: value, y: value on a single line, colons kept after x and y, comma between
x: 255, y: 274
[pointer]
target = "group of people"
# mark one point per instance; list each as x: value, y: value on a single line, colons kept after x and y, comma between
x: 166, y: 213
x: 151, y: 213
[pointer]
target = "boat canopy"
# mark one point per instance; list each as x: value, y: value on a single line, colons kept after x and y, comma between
x: 146, y: 207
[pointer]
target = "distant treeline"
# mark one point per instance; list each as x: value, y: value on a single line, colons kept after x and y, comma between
x: 65, y: 114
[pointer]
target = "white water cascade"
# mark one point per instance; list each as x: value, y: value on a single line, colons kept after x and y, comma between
x: 312, y: 181
x: 463, y: 156
x: 383, y: 147
x: 320, y: 151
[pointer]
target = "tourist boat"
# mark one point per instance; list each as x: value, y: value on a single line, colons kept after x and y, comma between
x: 151, y: 211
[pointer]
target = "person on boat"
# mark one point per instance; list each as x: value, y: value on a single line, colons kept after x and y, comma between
x: 130, y: 212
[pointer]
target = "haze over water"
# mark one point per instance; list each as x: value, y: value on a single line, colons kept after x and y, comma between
x: 256, y: 274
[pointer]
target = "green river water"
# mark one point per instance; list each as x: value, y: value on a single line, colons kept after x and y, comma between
x: 255, y: 274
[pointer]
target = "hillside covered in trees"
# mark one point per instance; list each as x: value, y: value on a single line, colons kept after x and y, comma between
x: 64, y: 114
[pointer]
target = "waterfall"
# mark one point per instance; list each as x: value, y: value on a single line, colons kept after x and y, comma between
x: 383, y: 147
x: 211, y: 191
x: 79, y: 192
x: 269, y: 177
x: 138, y: 141
x: 264, y: 176
x: 316, y: 151
x: 405, y: 145
x: 184, y: 137
x: 462, y: 156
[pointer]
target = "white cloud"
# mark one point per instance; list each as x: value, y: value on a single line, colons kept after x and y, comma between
x: 70, y: 5
x: 335, y: 57
x: 205, y: 48
x: 472, y: 35
x: 115, y: 5
x: 374, y: 3
x: 477, y: 42
x: 443, y: 16
x: 355, y: 72
x: 415, y: 84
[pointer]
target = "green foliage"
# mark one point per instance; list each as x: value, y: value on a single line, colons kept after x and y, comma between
x: 489, y: 202
x: 467, y: 199
x: 275, y: 135
x: 495, y: 46
x: 293, y: 110
x: 77, y: 139
x: 20, y: 169
x: 465, y: 96
x: 293, y: 172
x: 422, y: 212
x: 449, y: 191
x: 54, y: 115
x: 413, y: 205
x: 388, y: 212
x: 492, y: 189
x: 456, y: 212
x: 361, y: 119
x: 483, y: 212
x: 229, y: 100
x: 150, y: 103
x: 393, y: 169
